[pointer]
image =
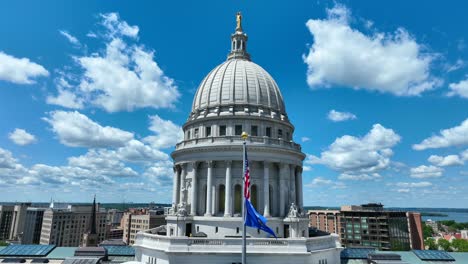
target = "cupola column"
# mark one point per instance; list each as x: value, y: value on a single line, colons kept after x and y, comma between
x: 175, y: 188
x: 292, y: 184
x: 283, y: 187
x: 209, y: 189
x: 228, y: 188
x: 193, y: 198
x: 299, y: 189
x: 266, y: 188
x: 183, y: 184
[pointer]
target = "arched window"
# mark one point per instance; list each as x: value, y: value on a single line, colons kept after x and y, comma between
x: 253, y: 196
x: 237, y: 199
x: 221, y: 198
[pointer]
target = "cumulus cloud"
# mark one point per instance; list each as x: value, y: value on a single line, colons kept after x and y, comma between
x: 72, y: 39
x: 77, y: 130
x: 459, y: 89
x: 21, y: 137
x: 320, y: 182
x: 123, y: 77
x: 424, y: 171
x: 455, y: 136
x: 167, y: 133
x: 385, y: 62
x: 20, y: 71
x: 65, y: 97
x: 449, y: 160
x: 359, y: 158
x: 413, y: 184
x: 6, y: 159
x: 360, y: 176
x: 336, y: 116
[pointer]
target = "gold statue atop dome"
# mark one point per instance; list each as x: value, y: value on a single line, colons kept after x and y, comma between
x: 239, y: 21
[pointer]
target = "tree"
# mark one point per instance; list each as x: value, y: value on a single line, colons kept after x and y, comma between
x: 444, y: 244
x: 460, y: 245
x: 430, y: 243
x: 427, y: 231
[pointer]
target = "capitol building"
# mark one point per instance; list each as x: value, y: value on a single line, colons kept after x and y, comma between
x: 205, y: 222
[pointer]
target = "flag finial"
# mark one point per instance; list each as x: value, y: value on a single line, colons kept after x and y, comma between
x: 244, y: 135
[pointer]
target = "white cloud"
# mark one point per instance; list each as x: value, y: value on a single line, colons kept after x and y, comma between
x: 320, y: 182
x: 305, y: 139
x: 385, y: 62
x: 360, y: 177
x: 460, y: 89
x: 167, y: 133
x: 20, y: 71
x: 123, y: 77
x: 360, y: 158
x: 424, y: 171
x: 77, y: 130
x: 117, y: 27
x: 72, y: 39
x: 336, y: 116
x: 455, y: 136
x: 403, y: 190
x: 6, y: 160
x: 21, y: 137
x: 450, y: 160
x: 456, y: 66
x: 413, y: 184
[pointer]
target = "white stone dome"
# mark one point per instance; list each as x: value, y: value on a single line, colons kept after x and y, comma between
x: 239, y: 82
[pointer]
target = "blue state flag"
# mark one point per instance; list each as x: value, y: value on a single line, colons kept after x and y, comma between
x: 256, y: 220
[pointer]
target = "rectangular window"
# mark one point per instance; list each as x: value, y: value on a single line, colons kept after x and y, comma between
x: 268, y: 132
x: 287, y: 136
x: 188, y: 134
x: 208, y: 131
x: 254, y: 131
x: 238, y: 130
x: 222, y: 130
x: 280, y: 133
x: 196, y: 133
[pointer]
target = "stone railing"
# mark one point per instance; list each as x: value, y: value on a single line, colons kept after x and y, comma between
x: 254, y: 245
x: 210, y: 141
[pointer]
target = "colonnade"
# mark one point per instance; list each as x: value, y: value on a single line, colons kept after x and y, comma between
x: 289, y: 186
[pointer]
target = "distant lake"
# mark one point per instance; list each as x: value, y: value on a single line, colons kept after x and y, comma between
x: 457, y: 216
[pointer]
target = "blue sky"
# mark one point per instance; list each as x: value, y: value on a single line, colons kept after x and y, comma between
x: 93, y: 94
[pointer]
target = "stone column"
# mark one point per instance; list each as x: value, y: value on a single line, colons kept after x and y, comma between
x: 183, y: 184
x: 299, y: 189
x: 266, y: 188
x: 292, y: 184
x: 282, y: 188
x: 193, y: 198
x: 175, y: 188
x: 227, y: 190
x: 209, y: 188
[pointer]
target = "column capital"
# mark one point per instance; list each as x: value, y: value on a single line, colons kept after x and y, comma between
x: 267, y: 163
x: 228, y: 163
x: 210, y: 163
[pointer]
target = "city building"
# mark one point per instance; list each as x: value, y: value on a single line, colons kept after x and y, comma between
x: 90, y: 237
x: 325, y: 220
x: 33, y: 226
x: 17, y: 221
x: 204, y: 224
x: 114, y: 216
x: 464, y: 234
x: 433, y: 224
x: 136, y: 220
x: 114, y: 233
x: 370, y: 225
x: 64, y: 225
x: 6, y: 218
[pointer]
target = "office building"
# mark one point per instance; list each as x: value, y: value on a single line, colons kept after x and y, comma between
x: 65, y: 225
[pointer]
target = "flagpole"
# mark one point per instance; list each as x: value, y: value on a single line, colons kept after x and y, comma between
x: 244, y: 231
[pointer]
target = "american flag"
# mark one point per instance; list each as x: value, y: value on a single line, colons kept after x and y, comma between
x: 246, y: 176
